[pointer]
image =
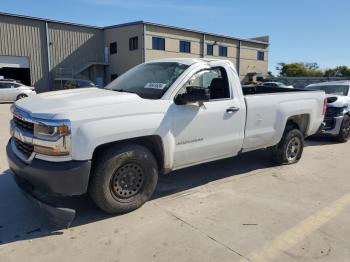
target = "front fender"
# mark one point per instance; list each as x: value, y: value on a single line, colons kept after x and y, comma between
x: 89, y: 135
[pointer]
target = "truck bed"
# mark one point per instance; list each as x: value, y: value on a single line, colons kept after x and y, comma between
x: 268, y: 109
x: 255, y: 90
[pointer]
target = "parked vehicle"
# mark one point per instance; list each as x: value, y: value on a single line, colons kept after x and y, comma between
x: 11, y: 90
x: 337, y: 119
x: 157, y: 117
x: 276, y: 84
x: 78, y: 83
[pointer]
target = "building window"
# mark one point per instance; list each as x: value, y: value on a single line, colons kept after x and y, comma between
x: 222, y: 51
x: 158, y: 43
x: 185, y: 47
x: 113, y: 48
x: 133, y: 43
x: 210, y: 49
x: 114, y: 76
x: 261, y: 55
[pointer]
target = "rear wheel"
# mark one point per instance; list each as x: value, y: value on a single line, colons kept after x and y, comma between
x: 344, y: 133
x: 123, y: 179
x: 290, y: 148
x: 21, y: 96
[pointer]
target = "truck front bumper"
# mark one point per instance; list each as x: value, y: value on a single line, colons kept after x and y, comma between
x: 47, y: 183
x: 333, y: 126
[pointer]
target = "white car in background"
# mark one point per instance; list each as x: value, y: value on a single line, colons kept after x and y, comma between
x: 276, y: 84
x: 337, y: 118
x: 11, y: 90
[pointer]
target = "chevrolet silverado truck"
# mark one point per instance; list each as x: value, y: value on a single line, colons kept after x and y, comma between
x: 159, y: 116
x: 337, y: 118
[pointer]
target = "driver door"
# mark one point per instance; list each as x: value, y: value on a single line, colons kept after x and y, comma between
x: 210, y: 130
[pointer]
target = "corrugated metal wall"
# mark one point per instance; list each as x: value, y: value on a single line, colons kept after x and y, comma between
x: 73, y: 47
x: 26, y: 37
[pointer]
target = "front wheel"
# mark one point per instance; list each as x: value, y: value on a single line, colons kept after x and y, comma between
x: 344, y: 133
x: 123, y: 179
x: 290, y: 148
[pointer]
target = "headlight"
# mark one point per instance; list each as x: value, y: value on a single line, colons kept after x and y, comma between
x: 52, y: 138
x: 49, y: 131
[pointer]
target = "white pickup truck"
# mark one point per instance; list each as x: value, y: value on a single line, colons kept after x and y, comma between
x: 157, y: 117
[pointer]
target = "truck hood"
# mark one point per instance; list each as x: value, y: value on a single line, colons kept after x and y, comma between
x: 337, y: 100
x: 64, y: 102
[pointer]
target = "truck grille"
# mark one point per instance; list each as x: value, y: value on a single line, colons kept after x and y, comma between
x: 24, y: 148
x: 23, y: 125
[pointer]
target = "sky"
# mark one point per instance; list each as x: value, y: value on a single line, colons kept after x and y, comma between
x: 300, y: 31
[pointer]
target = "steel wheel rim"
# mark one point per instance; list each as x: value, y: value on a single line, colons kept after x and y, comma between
x: 127, y: 180
x: 293, y: 149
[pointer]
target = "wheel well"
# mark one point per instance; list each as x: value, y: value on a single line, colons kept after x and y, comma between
x: 152, y: 143
x: 22, y: 94
x: 300, y: 122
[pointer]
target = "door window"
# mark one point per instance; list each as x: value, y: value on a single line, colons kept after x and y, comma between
x: 7, y: 85
x: 213, y: 79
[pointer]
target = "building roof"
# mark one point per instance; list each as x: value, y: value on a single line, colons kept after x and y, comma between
x: 48, y: 20
x: 259, y: 40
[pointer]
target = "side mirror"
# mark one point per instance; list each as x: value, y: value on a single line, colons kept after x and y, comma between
x: 193, y: 94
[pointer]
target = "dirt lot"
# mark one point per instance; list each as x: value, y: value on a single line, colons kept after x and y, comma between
x: 238, y: 209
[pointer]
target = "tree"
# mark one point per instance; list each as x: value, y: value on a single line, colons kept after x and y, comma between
x: 337, y: 71
x: 299, y: 70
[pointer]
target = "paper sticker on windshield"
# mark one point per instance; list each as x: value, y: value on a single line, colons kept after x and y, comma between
x: 159, y: 86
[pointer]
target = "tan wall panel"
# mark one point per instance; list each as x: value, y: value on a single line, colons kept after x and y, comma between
x: 173, y: 33
x: 172, y: 43
x: 156, y: 54
x: 26, y: 37
x: 249, y: 50
x: 173, y: 46
x: 231, y: 45
x: 250, y: 66
x: 124, y: 59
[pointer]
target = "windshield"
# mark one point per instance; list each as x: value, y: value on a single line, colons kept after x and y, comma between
x: 332, y: 89
x: 150, y: 80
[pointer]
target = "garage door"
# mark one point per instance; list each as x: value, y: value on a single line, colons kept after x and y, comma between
x: 15, y: 67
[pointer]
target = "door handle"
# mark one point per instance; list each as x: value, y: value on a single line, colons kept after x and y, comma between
x: 232, y: 109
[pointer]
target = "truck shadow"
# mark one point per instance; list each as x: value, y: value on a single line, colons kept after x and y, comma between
x: 320, y: 141
x: 19, y: 220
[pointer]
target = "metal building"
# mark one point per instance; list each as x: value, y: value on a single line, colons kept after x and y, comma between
x: 45, y: 53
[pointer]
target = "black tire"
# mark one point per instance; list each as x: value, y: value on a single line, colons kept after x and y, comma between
x: 290, y: 149
x: 20, y: 96
x: 123, y: 178
x: 344, y: 133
